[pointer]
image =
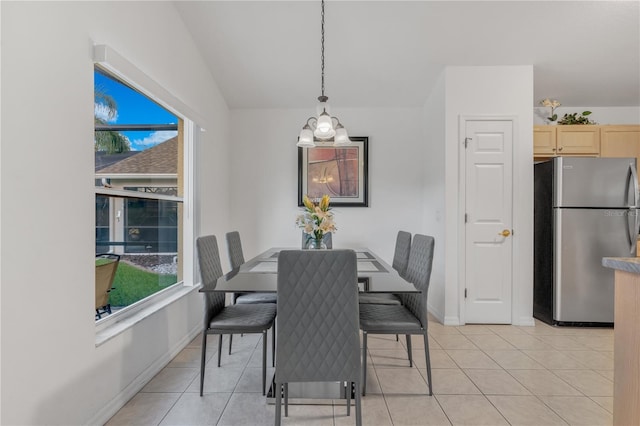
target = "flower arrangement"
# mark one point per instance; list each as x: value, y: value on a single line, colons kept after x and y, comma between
x: 553, y: 104
x: 317, y: 218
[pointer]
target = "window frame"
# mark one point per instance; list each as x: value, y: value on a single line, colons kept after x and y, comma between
x: 120, y: 68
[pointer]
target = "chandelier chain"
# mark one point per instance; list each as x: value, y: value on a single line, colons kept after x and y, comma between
x: 322, y: 47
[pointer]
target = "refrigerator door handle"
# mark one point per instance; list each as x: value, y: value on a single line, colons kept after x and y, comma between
x: 632, y: 177
x: 632, y: 230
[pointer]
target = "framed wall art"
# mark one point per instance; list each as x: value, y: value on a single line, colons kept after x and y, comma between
x: 341, y: 172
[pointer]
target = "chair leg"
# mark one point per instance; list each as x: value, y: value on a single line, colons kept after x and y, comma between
x: 409, y: 352
x: 230, y: 340
x: 204, y: 352
x: 397, y: 339
x: 358, y: 404
x: 219, y: 349
x: 286, y: 399
x: 364, y: 363
x: 273, y: 345
x: 348, y: 398
x: 426, y: 355
x: 264, y: 362
x: 277, y: 388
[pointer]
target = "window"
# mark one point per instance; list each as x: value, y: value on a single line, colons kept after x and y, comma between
x: 139, y: 175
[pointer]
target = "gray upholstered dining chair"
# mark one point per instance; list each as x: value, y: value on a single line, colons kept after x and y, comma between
x: 411, y: 316
x: 327, y: 239
x: 236, y: 259
x: 400, y: 261
x: 318, y: 337
x: 220, y: 319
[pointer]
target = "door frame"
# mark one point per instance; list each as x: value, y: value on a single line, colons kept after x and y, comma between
x: 462, y: 196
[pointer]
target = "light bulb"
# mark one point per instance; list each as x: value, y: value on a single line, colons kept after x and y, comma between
x: 305, y: 140
x: 342, y: 138
x: 324, y: 127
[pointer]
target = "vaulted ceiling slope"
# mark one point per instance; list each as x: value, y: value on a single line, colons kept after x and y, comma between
x: 266, y: 54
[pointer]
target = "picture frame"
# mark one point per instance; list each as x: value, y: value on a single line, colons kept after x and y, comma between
x: 340, y: 172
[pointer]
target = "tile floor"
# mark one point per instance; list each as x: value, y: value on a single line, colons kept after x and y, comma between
x: 482, y: 375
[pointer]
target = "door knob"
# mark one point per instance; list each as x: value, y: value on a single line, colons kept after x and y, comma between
x: 505, y: 233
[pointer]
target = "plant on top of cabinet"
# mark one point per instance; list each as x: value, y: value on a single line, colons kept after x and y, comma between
x: 577, y: 119
x: 553, y: 104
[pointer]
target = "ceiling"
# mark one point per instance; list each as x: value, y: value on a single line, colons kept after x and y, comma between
x: 266, y: 54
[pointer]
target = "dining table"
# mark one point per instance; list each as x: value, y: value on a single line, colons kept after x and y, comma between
x: 260, y: 274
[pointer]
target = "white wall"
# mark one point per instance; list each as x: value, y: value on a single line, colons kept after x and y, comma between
x: 601, y: 115
x: 433, y: 191
x: 265, y: 172
x: 52, y: 372
x: 503, y: 91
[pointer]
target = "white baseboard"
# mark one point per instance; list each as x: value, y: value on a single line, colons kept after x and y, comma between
x: 452, y: 320
x: 526, y: 321
x: 435, y: 312
x: 112, y: 407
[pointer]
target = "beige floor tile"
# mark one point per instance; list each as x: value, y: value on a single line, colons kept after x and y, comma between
x: 439, y: 359
x: 217, y: 380
x: 454, y: 341
x: 496, y: 382
x: 605, y: 402
x: 171, y: 380
x: 239, y: 358
x: 189, y: 357
x: 385, y: 358
x: 314, y: 415
x: 449, y: 381
x: 373, y: 385
x: 420, y: 410
x: 385, y: 341
x: 256, y: 357
x: 597, y: 343
x: 248, y: 409
x: 436, y: 328
x: 514, y: 359
x: 472, y: 359
x: 605, y: 373
x: 525, y: 410
x: 543, y: 382
x: 472, y: 329
x: 374, y: 412
x: 563, y: 342
x: 588, y: 382
x: 417, y: 342
x: 193, y: 409
x: 144, y: 409
x: 470, y: 410
x: 525, y: 341
x: 554, y: 359
x: 592, y: 359
x: 401, y: 381
x: 542, y: 329
x: 503, y: 330
x: 578, y: 410
x: 489, y: 342
x: 251, y: 380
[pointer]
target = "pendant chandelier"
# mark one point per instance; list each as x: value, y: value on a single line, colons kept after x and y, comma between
x: 323, y: 127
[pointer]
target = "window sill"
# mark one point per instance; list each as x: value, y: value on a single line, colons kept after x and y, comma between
x: 121, y: 321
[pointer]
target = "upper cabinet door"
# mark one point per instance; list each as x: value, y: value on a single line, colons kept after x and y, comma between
x: 620, y: 141
x: 578, y: 140
x: 544, y: 141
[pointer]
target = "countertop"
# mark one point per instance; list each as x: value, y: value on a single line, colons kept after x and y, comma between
x: 627, y: 264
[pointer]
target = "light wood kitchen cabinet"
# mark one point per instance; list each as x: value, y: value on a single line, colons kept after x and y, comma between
x: 620, y: 141
x: 559, y: 140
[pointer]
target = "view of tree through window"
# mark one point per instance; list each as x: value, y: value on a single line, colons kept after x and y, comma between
x: 138, y: 173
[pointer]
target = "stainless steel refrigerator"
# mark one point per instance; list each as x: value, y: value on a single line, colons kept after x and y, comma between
x: 584, y: 209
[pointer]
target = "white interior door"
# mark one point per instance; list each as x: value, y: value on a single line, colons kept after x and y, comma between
x: 488, y: 221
